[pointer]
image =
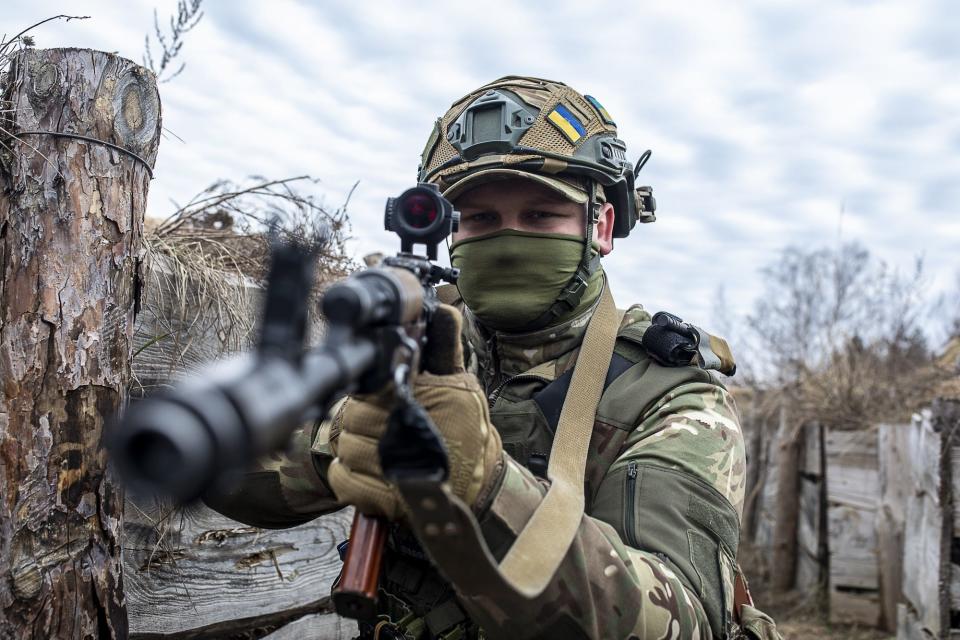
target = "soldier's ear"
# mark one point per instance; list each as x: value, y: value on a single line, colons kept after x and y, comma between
x: 603, y: 232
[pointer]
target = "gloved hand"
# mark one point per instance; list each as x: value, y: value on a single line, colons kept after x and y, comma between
x: 458, y: 408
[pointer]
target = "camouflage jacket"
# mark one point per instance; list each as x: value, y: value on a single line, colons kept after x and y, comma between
x: 655, y: 553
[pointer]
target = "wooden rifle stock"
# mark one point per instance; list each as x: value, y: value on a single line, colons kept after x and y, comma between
x: 356, y: 594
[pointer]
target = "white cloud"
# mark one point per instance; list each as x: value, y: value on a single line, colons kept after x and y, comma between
x: 765, y: 119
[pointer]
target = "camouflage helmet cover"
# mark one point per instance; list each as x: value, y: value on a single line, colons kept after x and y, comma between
x: 521, y: 125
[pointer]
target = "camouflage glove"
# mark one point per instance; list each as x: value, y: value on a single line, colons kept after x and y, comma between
x: 458, y: 408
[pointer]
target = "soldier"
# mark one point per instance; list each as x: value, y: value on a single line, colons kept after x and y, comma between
x: 626, y: 527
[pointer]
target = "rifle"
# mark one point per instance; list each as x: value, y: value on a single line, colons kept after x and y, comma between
x: 208, y: 429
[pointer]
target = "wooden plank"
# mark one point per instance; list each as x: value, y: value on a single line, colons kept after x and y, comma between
x: 852, y: 499
x: 895, y: 488
x: 853, y: 495
x: 890, y: 567
x: 318, y: 626
x: 923, y: 526
x: 856, y: 448
x: 808, y: 536
x: 206, y: 575
x: 766, y: 508
x: 954, y: 587
x: 924, y: 457
x: 199, y: 571
x: 810, y: 465
x: 893, y: 445
x: 852, y: 468
x: 955, y: 486
x: 909, y: 626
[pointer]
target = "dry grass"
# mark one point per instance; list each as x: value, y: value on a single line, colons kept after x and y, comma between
x: 205, y: 264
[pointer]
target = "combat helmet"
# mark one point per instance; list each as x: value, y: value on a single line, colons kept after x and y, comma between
x: 541, y: 128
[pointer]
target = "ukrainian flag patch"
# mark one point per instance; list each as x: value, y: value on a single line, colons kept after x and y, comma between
x: 599, y: 107
x: 568, y: 123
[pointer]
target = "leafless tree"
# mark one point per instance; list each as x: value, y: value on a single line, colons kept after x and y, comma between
x: 841, y: 333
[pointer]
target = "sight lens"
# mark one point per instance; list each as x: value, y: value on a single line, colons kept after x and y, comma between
x: 419, y: 211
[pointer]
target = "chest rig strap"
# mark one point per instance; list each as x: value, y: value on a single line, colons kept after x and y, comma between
x: 447, y: 529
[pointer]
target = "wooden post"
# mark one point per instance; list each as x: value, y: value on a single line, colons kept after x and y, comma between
x: 810, y: 540
x: 895, y: 488
x: 925, y: 611
x: 753, y: 428
x: 71, y: 218
x: 946, y: 414
x: 790, y: 446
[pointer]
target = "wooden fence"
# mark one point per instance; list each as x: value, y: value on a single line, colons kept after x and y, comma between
x: 877, y: 534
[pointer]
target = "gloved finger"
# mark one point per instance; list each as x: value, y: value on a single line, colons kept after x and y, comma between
x: 461, y: 381
x: 384, y: 398
x: 370, y: 495
x: 444, y: 352
x: 360, y: 453
x: 362, y: 418
x: 334, y: 424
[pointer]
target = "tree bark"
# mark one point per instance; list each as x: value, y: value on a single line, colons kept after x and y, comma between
x: 71, y: 220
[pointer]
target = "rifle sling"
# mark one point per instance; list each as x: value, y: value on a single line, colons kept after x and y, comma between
x: 536, y: 554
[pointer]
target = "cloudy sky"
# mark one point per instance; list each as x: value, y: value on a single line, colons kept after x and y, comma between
x: 771, y: 123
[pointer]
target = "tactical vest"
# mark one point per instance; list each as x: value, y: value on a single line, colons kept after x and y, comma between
x: 696, y: 530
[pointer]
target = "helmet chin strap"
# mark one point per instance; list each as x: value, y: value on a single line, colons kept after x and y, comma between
x: 572, y: 292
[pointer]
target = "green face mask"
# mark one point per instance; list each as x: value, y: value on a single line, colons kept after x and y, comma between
x: 510, y: 278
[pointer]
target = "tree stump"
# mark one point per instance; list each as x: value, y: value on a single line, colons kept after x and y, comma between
x: 71, y: 220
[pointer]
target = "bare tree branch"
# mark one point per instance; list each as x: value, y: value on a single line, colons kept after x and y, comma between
x: 187, y: 17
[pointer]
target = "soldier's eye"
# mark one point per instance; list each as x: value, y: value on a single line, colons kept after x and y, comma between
x: 480, y: 217
x: 543, y: 215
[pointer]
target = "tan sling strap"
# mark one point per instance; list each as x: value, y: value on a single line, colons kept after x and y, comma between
x: 541, y: 546
x: 447, y: 528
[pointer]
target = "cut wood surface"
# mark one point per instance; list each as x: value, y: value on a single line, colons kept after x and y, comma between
x: 71, y: 221
x: 320, y: 626
x: 195, y: 573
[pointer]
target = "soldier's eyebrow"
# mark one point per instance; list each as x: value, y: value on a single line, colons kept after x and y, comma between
x: 548, y: 200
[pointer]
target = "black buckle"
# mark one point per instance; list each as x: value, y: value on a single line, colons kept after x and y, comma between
x: 574, y: 291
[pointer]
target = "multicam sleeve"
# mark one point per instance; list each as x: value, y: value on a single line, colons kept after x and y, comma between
x: 654, y: 558
x: 285, y: 488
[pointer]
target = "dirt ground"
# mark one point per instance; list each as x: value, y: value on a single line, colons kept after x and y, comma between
x: 805, y: 624
x: 800, y: 630
x: 800, y: 616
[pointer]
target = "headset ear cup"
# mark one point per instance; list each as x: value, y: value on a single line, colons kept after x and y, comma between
x: 624, y: 215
